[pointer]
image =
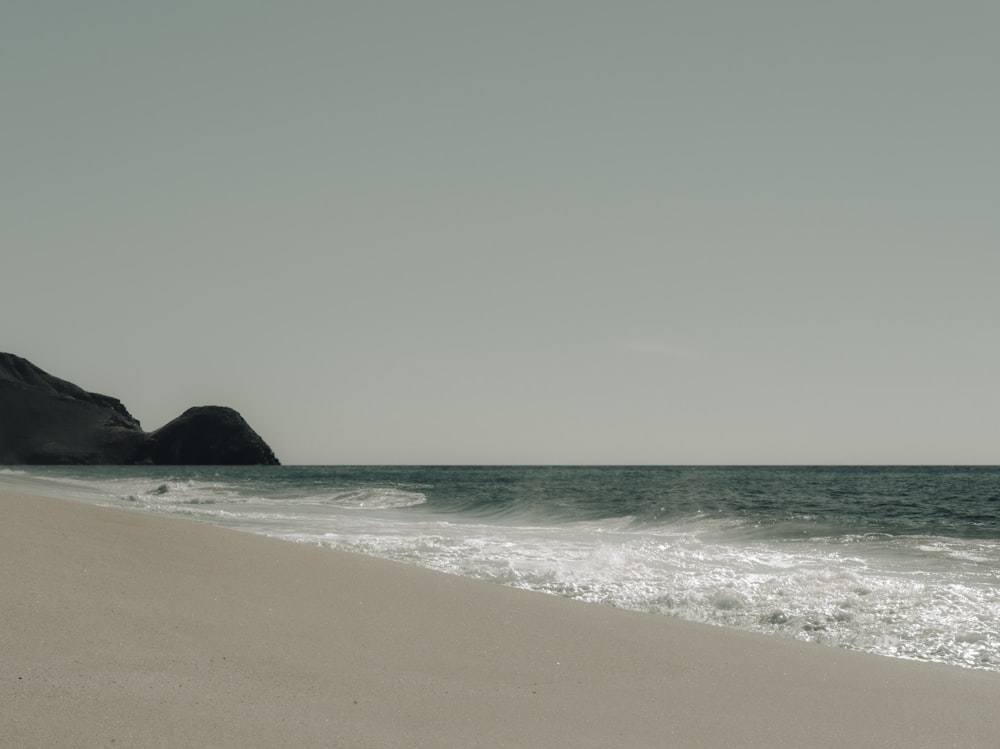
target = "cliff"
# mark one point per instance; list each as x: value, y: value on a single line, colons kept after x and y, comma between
x: 47, y: 420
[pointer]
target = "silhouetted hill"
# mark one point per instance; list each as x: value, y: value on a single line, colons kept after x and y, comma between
x: 47, y: 420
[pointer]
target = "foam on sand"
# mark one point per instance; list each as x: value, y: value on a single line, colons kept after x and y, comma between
x: 144, y: 631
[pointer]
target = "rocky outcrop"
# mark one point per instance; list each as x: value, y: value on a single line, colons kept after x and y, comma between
x: 208, y: 435
x: 46, y: 420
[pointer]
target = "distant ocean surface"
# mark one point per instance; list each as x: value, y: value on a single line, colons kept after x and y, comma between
x: 901, y: 561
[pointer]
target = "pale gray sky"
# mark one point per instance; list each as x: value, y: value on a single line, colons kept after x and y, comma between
x: 515, y: 232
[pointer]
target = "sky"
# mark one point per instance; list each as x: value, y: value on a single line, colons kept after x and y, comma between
x: 515, y: 232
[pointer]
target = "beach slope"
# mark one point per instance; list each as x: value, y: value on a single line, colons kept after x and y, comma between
x: 123, y: 629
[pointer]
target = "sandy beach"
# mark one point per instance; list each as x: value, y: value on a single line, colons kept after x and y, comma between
x: 127, y: 630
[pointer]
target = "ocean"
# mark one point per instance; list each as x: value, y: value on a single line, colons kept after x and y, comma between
x: 899, y: 561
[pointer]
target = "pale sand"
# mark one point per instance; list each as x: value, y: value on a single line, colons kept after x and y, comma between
x: 126, y: 630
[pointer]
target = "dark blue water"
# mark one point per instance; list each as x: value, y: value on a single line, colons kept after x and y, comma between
x: 903, y: 561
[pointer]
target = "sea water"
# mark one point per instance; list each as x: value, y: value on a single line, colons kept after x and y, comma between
x: 900, y: 561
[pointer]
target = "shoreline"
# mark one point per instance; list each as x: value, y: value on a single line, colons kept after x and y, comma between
x: 127, y: 629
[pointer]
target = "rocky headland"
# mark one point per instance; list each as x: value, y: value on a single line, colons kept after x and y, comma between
x: 45, y: 420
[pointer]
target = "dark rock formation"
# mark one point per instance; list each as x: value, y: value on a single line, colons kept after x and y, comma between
x: 208, y: 435
x: 46, y: 420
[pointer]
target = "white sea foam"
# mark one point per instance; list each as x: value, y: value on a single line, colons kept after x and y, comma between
x: 807, y: 591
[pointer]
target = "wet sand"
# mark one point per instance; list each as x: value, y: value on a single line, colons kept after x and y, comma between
x: 119, y: 629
